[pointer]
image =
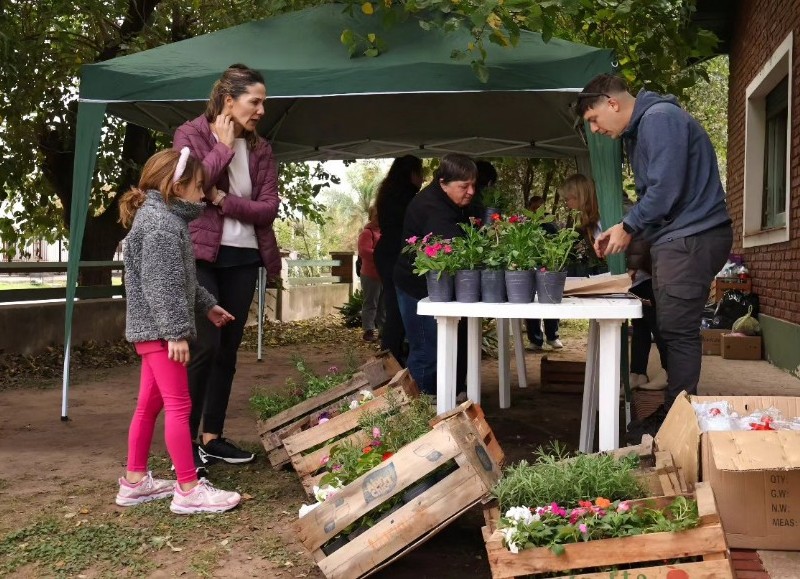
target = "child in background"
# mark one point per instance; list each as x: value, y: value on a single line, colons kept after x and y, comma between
x: 162, y: 294
x: 371, y: 286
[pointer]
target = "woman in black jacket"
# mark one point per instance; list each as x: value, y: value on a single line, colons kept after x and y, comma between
x: 396, y: 191
x: 439, y: 208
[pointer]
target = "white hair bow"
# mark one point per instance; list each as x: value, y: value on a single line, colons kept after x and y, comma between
x: 181, y: 167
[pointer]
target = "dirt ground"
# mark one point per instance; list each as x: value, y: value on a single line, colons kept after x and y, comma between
x: 58, y: 480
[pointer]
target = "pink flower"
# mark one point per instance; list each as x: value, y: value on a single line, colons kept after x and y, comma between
x: 325, y: 459
x: 431, y: 251
x: 412, y: 240
x: 448, y: 249
x: 426, y: 238
x: 583, y: 528
x: 336, y: 467
x: 623, y: 507
x: 333, y: 370
x: 437, y: 246
x: 376, y: 432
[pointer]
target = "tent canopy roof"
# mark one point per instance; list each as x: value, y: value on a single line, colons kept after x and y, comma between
x: 322, y: 104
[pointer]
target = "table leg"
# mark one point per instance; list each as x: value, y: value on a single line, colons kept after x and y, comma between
x: 589, y: 410
x: 503, y: 363
x: 610, y: 347
x: 474, y: 339
x: 519, y: 353
x: 446, y: 357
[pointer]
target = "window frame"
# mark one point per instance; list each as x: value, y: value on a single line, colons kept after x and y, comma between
x: 777, y: 68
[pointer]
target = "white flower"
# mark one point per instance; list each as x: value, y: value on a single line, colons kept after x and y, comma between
x: 323, y: 493
x: 520, y: 515
x: 509, y: 538
x: 305, y: 509
x: 366, y: 396
x: 354, y: 404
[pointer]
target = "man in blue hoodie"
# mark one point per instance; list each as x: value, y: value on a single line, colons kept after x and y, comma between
x: 681, y: 212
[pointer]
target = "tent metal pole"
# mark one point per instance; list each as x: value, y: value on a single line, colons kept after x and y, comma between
x: 261, y: 289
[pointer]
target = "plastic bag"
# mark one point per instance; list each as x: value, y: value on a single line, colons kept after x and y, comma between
x: 733, y: 305
x: 716, y: 416
x: 747, y: 324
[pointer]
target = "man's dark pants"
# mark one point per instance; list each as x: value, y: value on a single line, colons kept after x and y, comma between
x: 682, y: 273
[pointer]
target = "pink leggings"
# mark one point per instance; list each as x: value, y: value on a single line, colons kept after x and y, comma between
x: 163, y: 384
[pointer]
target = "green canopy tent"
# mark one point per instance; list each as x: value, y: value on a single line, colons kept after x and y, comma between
x: 414, y: 98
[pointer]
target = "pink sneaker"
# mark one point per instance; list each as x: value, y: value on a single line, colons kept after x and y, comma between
x: 147, y: 489
x: 204, y: 498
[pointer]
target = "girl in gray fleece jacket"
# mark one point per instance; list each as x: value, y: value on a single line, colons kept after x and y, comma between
x: 162, y: 296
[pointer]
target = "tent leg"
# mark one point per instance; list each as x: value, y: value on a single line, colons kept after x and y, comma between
x: 261, y: 289
x: 65, y: 382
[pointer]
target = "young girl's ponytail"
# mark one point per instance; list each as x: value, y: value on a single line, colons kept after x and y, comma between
x: 129, y: 204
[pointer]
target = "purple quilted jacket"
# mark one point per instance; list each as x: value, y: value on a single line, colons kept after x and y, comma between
x: 261, y: 210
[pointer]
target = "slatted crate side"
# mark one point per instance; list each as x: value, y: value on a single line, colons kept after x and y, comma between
x: 564, y: 376
x: 706, y: 540
x: 374, y: 373
x: 306, y: 449
x: 475, y: 414
x: 414, y: 522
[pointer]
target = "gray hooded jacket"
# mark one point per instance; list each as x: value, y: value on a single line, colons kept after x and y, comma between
x: 675, y: 171
x: 160, y: 280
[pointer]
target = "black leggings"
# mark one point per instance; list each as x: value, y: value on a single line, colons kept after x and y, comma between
x: 213, y: 354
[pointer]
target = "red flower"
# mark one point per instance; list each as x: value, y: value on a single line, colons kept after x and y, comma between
x: 386, y: 456
x: 514, y: 219
x: 496, y: 217
x: 367, y: 449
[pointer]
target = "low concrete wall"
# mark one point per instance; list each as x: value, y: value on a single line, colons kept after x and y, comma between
x: 31, y: 328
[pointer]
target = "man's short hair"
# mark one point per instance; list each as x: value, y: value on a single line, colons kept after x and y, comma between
x: 600, y: 87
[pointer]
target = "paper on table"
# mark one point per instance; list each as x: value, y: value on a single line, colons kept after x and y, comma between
x: 598, y: 285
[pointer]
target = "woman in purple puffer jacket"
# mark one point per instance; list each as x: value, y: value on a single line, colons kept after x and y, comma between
x: 232, y: 238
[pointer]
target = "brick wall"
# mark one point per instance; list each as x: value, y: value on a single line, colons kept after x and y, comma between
x: 761, y: 25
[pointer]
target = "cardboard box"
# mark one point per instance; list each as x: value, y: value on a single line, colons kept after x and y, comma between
x: 755, y: 474
x: 741, y: 347
x: 712, y: 341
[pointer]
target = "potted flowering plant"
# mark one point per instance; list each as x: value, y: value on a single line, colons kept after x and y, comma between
x: 554, y: 252
x: 519, y: 236
x: 434, y: 259
x: 468, y: 252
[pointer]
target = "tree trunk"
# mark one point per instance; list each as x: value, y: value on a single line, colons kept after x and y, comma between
x: 100, y: 241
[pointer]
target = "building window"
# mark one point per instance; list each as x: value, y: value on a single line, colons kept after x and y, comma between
x: 773, y: 206
x: 768, y: 151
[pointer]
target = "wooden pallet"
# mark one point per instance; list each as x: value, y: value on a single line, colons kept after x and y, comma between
x: 562, y: 376
x: 458, y: 437
x: 641, y: 555
x: 307, y: 448
x: 374, y: 373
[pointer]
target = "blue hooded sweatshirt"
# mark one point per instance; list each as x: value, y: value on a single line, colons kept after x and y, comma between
x: 675, y: 172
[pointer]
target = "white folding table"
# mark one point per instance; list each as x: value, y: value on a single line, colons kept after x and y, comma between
x: 601, y: 386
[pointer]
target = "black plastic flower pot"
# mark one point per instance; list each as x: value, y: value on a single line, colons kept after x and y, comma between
x: 493, y: 286
x: 520, y: 286
x: 417, y: 489
x: 334, y: 544
x: 440, y: 287
x: 550, y: 286
x: 468, y: 285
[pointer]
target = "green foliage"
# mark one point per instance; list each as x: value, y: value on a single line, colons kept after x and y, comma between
x: 556, y: 477
x: 400, y: 425
x: 556, y: 248
x: 469, y: 249
x: 351, y: 310
x: 64, y: 551
x: 312, y: 384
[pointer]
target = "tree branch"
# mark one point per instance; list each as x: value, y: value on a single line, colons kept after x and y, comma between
x: 139, y: 12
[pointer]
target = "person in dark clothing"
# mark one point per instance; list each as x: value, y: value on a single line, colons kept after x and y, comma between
x: 645, y: 329
x: 681, y: 212
x: 395, y: 192
x: 439, y: 209
x: 534, y: 327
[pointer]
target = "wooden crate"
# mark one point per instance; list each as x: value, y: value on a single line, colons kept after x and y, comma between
x: 721, y: 285
x: 647, y: 555
x: 562, y: 376
x: 374, y: 373
x: 645, y: 402
x: 460, y: 436
x: 307, y: 448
